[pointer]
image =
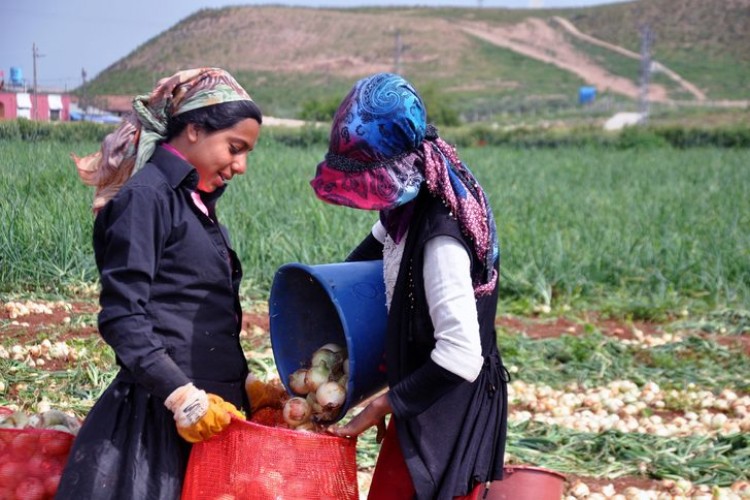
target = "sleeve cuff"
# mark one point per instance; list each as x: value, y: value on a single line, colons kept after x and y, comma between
x: 161, y: 376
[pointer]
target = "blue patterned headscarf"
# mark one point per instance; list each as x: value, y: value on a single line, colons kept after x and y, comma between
x: 380, y: 153
x: 374, y: 142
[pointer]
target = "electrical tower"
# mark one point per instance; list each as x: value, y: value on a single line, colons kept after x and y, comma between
x: 647, y: 39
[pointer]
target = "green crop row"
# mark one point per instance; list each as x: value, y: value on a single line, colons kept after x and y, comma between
x: 532, y: 137
x: 645, y: 229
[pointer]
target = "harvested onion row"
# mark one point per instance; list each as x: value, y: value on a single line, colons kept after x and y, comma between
x: 36, y: 355
x: 669, y: 489
x: 622, y: 405
x: 50, y: 419
x: 19, y: 309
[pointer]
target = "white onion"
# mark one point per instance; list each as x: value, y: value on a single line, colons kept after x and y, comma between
x: 296, y: 411
x: 333, y: 347
x: 316, y: 376
x: 330, y: 395
x: 329, y: 359
x: 297, y: 382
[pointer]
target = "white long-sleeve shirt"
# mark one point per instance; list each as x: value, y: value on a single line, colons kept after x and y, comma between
x: 450, y: 298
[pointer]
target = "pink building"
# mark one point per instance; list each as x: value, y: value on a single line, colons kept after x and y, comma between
x: 42, y: 106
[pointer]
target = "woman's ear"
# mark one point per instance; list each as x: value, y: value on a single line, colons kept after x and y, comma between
x: 192, y: 132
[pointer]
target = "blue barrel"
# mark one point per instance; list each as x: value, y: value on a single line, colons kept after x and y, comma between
x: 16, y: 76
x: 343, y: 303
x: 586, y: 95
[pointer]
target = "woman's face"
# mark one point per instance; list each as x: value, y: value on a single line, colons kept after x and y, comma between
x: 218, y: 156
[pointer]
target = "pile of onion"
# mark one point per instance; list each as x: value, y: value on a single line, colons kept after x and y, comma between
x: 320, y: 390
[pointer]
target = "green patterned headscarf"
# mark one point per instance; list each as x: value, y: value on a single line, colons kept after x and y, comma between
x: 129, y: 147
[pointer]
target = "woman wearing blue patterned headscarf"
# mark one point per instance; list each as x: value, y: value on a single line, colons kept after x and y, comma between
x: 437, y: 238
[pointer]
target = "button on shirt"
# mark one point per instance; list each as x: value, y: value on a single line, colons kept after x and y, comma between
x: 170, y: 281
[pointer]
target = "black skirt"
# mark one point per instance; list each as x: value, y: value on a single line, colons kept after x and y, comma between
x: 459, y: 442
x: 127, y: 448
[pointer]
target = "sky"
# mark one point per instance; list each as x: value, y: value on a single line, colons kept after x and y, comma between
x: 73, y: 36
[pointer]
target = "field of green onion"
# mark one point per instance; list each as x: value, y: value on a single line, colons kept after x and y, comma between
x: 656, y: 235
x: 642, y: 231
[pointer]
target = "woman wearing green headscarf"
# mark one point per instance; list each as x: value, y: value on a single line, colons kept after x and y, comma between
x: 169, y: 278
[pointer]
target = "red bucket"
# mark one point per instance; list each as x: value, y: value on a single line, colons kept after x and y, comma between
x: 525, y: 482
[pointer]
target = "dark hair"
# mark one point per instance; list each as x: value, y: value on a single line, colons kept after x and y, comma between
x: 216, y: 117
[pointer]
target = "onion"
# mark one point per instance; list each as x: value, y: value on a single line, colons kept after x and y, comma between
x: 329, y: 359
x: 296, y: 411
x: 306, y: 426
x: 333, y: 347
x: 330, y: 395
x: 297, y: 382
x: 326, y: 415
x: 314, y: 405
x: 316, y: 376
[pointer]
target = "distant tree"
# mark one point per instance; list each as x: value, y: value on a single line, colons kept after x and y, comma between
x: 320, y: 110
x: 440, y: 110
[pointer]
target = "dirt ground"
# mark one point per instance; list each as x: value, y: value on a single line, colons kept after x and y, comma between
x: 27, y: 329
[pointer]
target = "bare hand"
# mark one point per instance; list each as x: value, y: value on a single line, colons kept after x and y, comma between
x: 373, y: 414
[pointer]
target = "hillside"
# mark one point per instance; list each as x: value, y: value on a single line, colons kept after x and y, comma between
x: 482, y: 61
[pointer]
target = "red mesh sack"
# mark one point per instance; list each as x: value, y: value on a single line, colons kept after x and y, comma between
x: 31, y: 461
x: 250, y: 461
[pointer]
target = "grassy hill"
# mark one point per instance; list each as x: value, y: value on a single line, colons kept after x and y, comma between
x: 288, y: 57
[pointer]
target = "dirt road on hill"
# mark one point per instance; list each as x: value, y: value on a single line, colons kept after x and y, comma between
x: 535, y: 38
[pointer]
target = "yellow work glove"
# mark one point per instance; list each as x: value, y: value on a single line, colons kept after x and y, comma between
x: 199, y: 415
x: 226, y: 405
x: 263, y: 394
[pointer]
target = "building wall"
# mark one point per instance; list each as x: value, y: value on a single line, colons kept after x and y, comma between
x: 8, y: 107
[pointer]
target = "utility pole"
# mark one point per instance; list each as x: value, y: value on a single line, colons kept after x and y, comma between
x: 35, y: 54
x: 84, y: 103
x: 647, y: 38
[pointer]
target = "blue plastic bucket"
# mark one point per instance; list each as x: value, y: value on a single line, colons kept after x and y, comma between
x: 343, y: 303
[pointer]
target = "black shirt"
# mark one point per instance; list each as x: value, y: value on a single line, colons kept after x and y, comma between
x: 170, y: 282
